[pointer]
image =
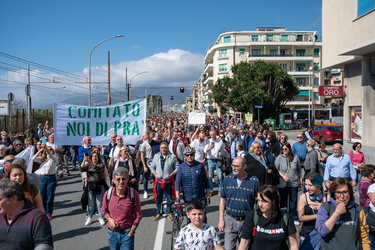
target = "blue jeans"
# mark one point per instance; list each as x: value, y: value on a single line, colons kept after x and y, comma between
x: 290, y: 193
x: 95, y: 199
x: 47, y: 189
x: 212, y: 166
x: 167, y: 191
x: 120, y: 240
x: 146, y: 177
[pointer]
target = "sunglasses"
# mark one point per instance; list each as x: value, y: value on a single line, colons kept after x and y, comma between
x: 187, y: 155
x: 285, y: 149
x: 120, y: 179
x: 299, y: 136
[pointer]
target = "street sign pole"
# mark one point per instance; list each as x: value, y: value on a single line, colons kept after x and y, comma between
x: 10, y: 99
x: 258, y: 107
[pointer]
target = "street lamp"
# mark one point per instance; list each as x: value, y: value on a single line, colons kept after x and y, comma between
x: 311, y: 99
x: 89, y: 101
x: 128, y: 86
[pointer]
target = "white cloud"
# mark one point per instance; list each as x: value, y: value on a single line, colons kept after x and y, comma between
x: 174, y: 68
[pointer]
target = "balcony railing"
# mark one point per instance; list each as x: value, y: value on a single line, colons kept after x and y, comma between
x: 281, y: 55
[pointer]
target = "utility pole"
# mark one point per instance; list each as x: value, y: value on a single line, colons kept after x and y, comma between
x: 109, y: 78
x: 28, y: 98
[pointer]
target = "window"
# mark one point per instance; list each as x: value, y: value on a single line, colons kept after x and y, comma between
x: 284, y: 66
x: 365, y: 6
x: 273, y: 52
x: 255, y: 52
x: 254, y: 38
x: 300, y: 52
x: 284, y: 38
x: 316, y: 96
x: 316, y: 81
x: 269, y: 38
x: 301, y: 82
x: 300, y: 67
x: 316, y: 52
x: 317, y: 66
x: 222, y: 53
x: 242, y: 52
x: 283, y: 52
x: 227, y: 39
x: 299, y: 38
x: 223, y: 67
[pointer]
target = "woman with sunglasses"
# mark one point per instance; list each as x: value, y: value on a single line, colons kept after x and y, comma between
x: 126, y: 161
x: 96, y: 175
x: 282, y: 139
x: 309, y: 203
x: 340, y: 221
x: 289, y: 169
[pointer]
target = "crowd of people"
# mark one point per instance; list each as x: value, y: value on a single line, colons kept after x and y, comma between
x: 267, y: 185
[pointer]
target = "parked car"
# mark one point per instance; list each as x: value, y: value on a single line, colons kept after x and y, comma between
x: 327, y: 133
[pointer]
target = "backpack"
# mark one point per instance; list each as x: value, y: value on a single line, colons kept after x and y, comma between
x: 132, y: 194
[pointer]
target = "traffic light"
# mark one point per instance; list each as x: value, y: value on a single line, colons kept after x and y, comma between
x: 182, y: 89
x: 171, y: 97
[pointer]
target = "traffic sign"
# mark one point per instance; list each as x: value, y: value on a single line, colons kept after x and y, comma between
x: 11, y: 96
x: 258, y: 107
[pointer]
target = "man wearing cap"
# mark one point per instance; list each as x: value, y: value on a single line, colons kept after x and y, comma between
x: 22, y: 226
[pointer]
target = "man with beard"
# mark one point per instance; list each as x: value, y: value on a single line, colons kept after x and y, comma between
x: 236, y: 200
x: 198, y: 145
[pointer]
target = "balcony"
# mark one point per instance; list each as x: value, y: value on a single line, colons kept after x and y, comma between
x: 209, y: 68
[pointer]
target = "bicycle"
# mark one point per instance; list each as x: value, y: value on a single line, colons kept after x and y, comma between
x: 178, y: 219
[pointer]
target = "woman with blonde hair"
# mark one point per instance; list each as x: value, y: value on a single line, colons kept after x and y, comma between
x: 126, y: 161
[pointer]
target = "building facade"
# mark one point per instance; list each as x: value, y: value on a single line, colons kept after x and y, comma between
x: 297, y: 52
x: 349, y: 44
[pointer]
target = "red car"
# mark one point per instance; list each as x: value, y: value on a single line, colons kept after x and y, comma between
x: 327, y: 133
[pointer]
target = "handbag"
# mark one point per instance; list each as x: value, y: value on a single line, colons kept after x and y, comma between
x: 282, y: 183
x: 85, y: 198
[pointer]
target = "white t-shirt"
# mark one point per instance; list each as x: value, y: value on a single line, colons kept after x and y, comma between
x: 202, y: 238
x: 371, y: 189
x: 212, y: 154
x: 146, y: 148
x: 114, y: 152
x: 199, y: 149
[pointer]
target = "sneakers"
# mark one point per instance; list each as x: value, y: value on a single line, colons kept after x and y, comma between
x: 101, y: 221
x: 296, y: 223
x: 170, y: 217
x: 145, y: 195
x: 88, y: 222
x: 157, y: 217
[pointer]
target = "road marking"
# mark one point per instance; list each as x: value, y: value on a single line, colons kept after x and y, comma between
x: 159, y: 235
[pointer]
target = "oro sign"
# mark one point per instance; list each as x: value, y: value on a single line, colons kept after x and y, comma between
x: 330, y: 91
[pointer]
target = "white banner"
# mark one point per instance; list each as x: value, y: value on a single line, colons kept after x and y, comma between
x: 72, y: 122
x: 197, y: 118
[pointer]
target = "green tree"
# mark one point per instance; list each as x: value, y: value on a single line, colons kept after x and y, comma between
x: 265, y: 84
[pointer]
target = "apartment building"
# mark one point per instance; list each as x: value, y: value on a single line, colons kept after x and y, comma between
x: 298, y: 52
x: 349, y: 44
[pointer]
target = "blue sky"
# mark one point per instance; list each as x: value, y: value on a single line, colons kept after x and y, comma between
x: 166, y: 38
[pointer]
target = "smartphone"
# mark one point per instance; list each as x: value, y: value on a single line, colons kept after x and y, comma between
x: 86, y: 154
x: 213, y: 143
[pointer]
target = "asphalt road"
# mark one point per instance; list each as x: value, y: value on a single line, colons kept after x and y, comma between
x: 69, y: 231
